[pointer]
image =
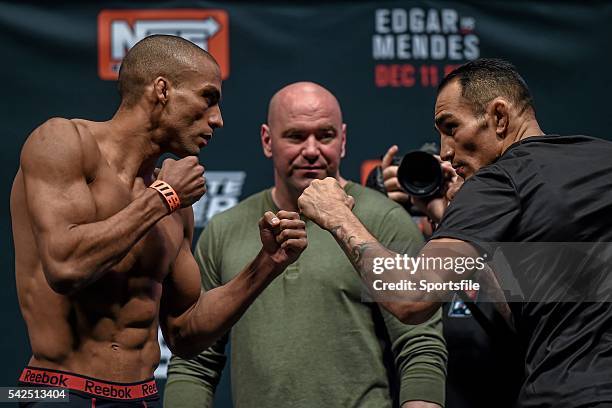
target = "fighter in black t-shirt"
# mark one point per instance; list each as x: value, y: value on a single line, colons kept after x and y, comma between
x: 553, y: 190
x: 548, y: 197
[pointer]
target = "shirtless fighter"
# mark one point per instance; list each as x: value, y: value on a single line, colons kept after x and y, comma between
x: 103, y: 246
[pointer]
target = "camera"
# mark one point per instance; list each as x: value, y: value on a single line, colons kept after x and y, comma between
x: 420, y: 175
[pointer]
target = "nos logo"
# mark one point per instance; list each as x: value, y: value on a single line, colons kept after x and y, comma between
x: 119, y: 30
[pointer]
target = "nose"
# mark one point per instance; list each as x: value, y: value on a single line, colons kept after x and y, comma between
x: 215, y: 120
x: 310, y: 149
x: 447, y: 150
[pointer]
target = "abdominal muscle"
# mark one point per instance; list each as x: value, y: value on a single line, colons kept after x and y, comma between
x: 107, y: 331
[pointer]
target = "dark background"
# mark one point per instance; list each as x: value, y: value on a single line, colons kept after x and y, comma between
x: 50, y: 61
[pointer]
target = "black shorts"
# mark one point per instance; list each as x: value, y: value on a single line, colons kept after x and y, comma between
x: 90, y: 392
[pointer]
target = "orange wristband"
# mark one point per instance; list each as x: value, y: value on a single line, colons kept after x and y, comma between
x: 168, y: 193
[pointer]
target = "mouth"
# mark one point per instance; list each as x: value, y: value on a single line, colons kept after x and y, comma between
x: 313, y: 166
x: 204, y: 138
x: 310, y: 172
x: 459, y: 169
x: 310, y: 169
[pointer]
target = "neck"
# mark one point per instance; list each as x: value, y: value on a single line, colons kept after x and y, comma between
x: 285, y: 197
x: 132, y: 147
x: 528, y: 127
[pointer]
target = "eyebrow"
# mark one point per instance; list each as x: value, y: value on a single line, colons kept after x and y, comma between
x: 324, y: 128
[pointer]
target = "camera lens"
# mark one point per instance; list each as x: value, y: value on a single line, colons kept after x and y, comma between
x: 420, y: 174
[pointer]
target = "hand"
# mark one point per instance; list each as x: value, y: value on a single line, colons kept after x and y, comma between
x: 186, y: 177
x: 283, y: 236
x: 392, y: 185
x: 434, y: 207
x: 324, y: 202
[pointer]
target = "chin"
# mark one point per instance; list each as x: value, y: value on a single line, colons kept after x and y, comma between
x: 191, y: 152
x: 302, y: 184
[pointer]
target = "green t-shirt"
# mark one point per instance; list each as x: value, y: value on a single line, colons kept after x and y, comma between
x: 308, y: 340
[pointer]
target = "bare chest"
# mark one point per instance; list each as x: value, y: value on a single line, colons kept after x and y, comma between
x: 152, y: 254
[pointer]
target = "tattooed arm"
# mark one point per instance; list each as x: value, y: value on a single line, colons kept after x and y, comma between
x: 326, y: 203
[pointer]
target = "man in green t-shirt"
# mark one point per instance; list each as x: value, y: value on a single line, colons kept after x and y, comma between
x: 309, y: 340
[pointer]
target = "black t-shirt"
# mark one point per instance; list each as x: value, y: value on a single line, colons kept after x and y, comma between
x: 549, y: 189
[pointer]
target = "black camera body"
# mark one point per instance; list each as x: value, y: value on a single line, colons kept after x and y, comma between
x: 420, y: 174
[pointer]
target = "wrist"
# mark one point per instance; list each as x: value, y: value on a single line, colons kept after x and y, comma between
x: 168, y: 195
x: 156, y: 203
x: 270, y: 266
x: 340, y: 217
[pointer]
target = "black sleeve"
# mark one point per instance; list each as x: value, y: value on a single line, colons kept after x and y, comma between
x: 483, y: 210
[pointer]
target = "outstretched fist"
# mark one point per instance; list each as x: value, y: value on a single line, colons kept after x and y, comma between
x: 283, y: 236
x: 325, y: 202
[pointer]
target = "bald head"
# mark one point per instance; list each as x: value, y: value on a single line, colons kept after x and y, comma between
x: 302, y: 98
x: 158, y: 55
x: 305, y: 138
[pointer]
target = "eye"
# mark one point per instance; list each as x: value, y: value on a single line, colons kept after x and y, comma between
x: 451, y: 128
x: 326, y: 136
x: 211, y: 97
x: 294, y: 136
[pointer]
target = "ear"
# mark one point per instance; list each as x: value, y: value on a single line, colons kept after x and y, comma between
x: 499, y: 111
x: 343, y: 135
x: 161, y: 87
x: 266, y: 141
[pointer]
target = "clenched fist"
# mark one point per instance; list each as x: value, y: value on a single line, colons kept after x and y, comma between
x: 283, y: 236
x: 186, y: 177
x: 325, y: 202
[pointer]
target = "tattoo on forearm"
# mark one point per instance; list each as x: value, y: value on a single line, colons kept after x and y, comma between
x: 356, y: 251
x: 358, y: 255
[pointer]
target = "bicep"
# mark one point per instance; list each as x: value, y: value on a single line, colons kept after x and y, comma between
x: 182, y: 285
x: 56, y: 191
x: 207, y: 256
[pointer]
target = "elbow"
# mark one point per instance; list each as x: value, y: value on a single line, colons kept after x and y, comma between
x: 412, y: 312
x: 63, y: 279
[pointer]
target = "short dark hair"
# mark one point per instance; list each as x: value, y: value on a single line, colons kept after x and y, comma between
x: 153, y: 56
x: 484, y: 79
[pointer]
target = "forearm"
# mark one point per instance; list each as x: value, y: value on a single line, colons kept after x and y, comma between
x: 217, y: 310
x: 83, y: 253
x: 362, y: 248
x: 410, y: 306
